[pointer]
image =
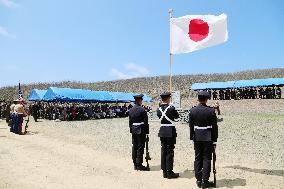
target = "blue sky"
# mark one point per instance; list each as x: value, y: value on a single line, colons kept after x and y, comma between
x: 97, y: 40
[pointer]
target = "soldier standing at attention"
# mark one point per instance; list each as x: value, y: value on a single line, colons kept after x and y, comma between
x: 139, y: 128
x: 204, y: 134
x: 167, y: 134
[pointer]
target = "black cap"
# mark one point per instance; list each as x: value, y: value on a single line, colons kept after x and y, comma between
x: 138, y: 96
x: 166, y: 94
x: 203, y: 94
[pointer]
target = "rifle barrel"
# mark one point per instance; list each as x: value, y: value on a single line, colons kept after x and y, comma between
x: 148, y: 158
x: 214, y: 167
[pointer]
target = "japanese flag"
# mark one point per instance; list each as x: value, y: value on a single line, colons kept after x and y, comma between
x: 194, y: 32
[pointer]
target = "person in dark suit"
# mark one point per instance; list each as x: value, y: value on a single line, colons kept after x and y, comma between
x: 222, y: 95
x: 204, y: 134
x: 278, y: 92
x: 215, y: 95
x: 139, y: 128
x: 35, y: 111
x: 167, y: 114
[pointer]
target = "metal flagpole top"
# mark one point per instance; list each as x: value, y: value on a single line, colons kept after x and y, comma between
x: 170, y: 82
x: 171, y: 12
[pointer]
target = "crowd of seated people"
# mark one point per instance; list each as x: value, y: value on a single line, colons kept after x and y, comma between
x: 78, y: 111
x: 5, y: 109
x: 247, y: 93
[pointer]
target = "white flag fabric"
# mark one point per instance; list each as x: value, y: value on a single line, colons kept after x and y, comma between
x: 194, y: 32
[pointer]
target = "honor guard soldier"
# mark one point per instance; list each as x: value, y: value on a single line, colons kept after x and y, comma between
x: 139, y: 128
x: 204, y: 134
x: 167, y: 114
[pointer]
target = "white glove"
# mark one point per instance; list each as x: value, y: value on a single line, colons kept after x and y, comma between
x: 215, y: 145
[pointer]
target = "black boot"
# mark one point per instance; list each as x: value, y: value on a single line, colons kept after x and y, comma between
x: 165, y: 175
x: 141, y: 168
x: 135, y: 167
x: 206, y: 184
x: 172, y: 175
x: 198, y: 183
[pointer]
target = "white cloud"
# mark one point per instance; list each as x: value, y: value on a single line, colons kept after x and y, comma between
x: 131, y: 70
x: 118, y: 74
x: 4, y: 32
x: 9, y: 3
x: 136, y: 69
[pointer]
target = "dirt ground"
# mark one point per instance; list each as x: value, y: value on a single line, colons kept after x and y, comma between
x: 97, y: 153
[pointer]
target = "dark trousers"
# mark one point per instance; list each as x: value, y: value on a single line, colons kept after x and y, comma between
x: 138, y: 145
x: 35, y: 117
x: 167, y: 153
x: 203, y: 157
x: 15, y: 123
x: 21, y: 120
x: 18, y: 123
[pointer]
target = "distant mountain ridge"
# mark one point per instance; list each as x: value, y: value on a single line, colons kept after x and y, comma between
x: 149, y: 85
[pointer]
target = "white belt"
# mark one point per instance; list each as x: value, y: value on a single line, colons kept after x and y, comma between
x: 167, y: 125
x: 207, y: 127
x: 137, y: 124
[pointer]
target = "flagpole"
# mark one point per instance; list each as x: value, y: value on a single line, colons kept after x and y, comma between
x: 171, y: 56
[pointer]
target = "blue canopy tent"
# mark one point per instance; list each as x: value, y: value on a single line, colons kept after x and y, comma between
x: 259, y: 82
x: 122, y: 97
x: 213, y: 85
x: 101, y: 96
x: 249, y: 83
x: 147, y: 98
x: 36, y: 95
x: 127, y: 97
x: 75, y: 95
x: 81, y: 95
x: 239, y: 84
x: 270, y: 82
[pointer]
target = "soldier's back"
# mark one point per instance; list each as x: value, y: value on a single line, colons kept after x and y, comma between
x: 202, y: 115
x: 167, y: 128
x: 136, y: 111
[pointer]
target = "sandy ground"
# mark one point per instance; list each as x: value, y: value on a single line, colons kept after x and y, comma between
x: 97, y: 153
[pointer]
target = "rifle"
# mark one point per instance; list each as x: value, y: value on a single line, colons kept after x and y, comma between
x: 147, y: 157
x: 26, y: 126
x: 214, y: 166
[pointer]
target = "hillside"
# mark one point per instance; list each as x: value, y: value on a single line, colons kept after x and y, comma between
x: 150, y: 85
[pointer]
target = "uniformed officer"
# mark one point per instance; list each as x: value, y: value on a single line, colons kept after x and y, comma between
x: 35, y: 111
x: 139, y: 128
x: 204, y: 134
x: 167, y: 134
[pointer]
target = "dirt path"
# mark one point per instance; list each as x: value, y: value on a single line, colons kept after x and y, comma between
x: 35, y: 161
x: 55, y: 157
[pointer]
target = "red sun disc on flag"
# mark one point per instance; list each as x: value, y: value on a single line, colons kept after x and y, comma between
x: 198, y: 30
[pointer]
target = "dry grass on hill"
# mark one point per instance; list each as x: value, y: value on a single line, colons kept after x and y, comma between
x: 150, y: 85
